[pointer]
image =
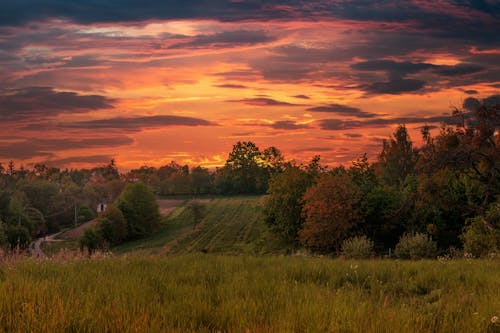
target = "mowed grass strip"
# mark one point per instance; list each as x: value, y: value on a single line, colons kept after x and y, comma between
x: 209, y: 293
x: 232, y: 225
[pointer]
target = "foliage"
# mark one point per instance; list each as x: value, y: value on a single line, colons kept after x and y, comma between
x: 18, y: 236
x: 86, y: 213
x: 359, y: 247
x: 415, y: 246
x: 112, y: 226
x: 398, y: 158
x: 3, y: 235
x: 91, y: 240
x: 330, y: 212
x: 138, y: 204
x: 283, y: 205
x: 481, y: 235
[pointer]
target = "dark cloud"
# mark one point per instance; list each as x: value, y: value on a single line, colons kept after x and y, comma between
x: 225, y: 39
x: 262, y: 101
x: 37, y: 102
x: 36, y: 147
x: 394, y: 87
x: 395, y: 68
x: 288, y: 125
x: 92, y: 159
x: 343, y: 110
x: 471, y: 92
x: 231, y: 86
x: 138, y: 123
x: 302, y: 96
x: 459, y: 69
x: 338, y: 124
x: 353, y: 135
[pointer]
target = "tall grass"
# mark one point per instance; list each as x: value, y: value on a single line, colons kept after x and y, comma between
x: 208, y: 293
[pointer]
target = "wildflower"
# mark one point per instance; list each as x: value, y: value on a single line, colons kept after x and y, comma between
x: 495, y: 320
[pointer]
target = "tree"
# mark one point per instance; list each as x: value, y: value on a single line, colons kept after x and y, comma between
x: 398, y: 158
x: 18, y: 236
x: 283, y: 205
x: 138, y: 204
x: 112, y: 225
x: 90, y: 240
x: 330, y: 212
x: 3, y: 235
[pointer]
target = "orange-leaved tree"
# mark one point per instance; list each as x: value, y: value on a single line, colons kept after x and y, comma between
x: 331, y: 211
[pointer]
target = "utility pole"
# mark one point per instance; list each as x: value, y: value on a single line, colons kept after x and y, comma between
x: 76, y: 218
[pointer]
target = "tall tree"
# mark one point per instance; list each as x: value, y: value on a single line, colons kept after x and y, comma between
x: 331, y: 212
x: 138, y: 204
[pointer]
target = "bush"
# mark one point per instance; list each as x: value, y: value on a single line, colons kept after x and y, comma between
x: 3, y: 235
x: 481, y: 236
x: 138, y: 204
x: 85, y: 214
x: 415, y: 246
x: 90, y: 240
x: 357, y: 248
x: 18, y: 235
x: 112, y: 226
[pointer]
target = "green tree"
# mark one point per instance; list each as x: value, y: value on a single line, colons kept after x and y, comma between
x: 138, y: 204
x: 112, y: 225
x: 398, y: 158
x: 91, y: 240
x: 3, y: 235
x: 18, y: 236
x: 283, y: 205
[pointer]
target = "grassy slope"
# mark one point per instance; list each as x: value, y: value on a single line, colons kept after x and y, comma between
x: 233, y: 225
x: 208, y: 293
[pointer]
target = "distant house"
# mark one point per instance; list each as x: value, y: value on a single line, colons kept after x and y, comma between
x: 101, y: 207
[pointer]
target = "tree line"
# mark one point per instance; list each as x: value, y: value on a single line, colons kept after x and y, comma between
x: 441, y: 196
x: 444, y: 192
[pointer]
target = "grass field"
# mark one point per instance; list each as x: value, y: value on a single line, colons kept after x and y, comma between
x: 231, y: 225
x: 210, y: 293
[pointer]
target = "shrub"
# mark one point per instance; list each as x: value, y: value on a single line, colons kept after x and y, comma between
x: 415, y: 246
x: 85, y: 213
x: 90, y: 240
x: 112, y: 226
x: 138, y: 204
x: 18, y: 235
x: 481, y: 236
x: 357, y: 248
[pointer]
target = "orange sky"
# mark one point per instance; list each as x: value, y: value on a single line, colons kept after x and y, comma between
x: 184, y: 83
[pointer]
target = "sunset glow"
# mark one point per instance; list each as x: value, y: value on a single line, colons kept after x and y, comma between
x: 82, y: 84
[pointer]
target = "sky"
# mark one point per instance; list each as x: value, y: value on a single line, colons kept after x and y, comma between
x: 146, y: 82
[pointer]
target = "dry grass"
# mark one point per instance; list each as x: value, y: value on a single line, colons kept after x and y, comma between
x: 207, y: 293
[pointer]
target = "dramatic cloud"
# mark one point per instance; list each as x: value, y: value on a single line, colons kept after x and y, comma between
x: 139, y: 123
x: 32, y: 147
x: 288, y: 125
x: 263, y: 101
x: 337, y: 124
x: 343, y: 110
x: 231, y: 86
x: 225, y: 39
x: 35, y: 102
x: 302, y: 96
x: 170, y: 75
x: 394, y: 87
x: 92, y: 159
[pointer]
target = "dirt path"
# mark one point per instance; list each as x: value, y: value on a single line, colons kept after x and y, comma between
x: 35, y: 246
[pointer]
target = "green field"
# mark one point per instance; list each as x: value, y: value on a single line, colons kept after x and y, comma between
x: 233, y: 225
x: 210, y: 293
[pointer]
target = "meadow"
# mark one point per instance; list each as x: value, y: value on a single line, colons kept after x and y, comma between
x: 211, y: 293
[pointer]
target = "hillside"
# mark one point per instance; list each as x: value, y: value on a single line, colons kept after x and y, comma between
x: 231, y: 225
